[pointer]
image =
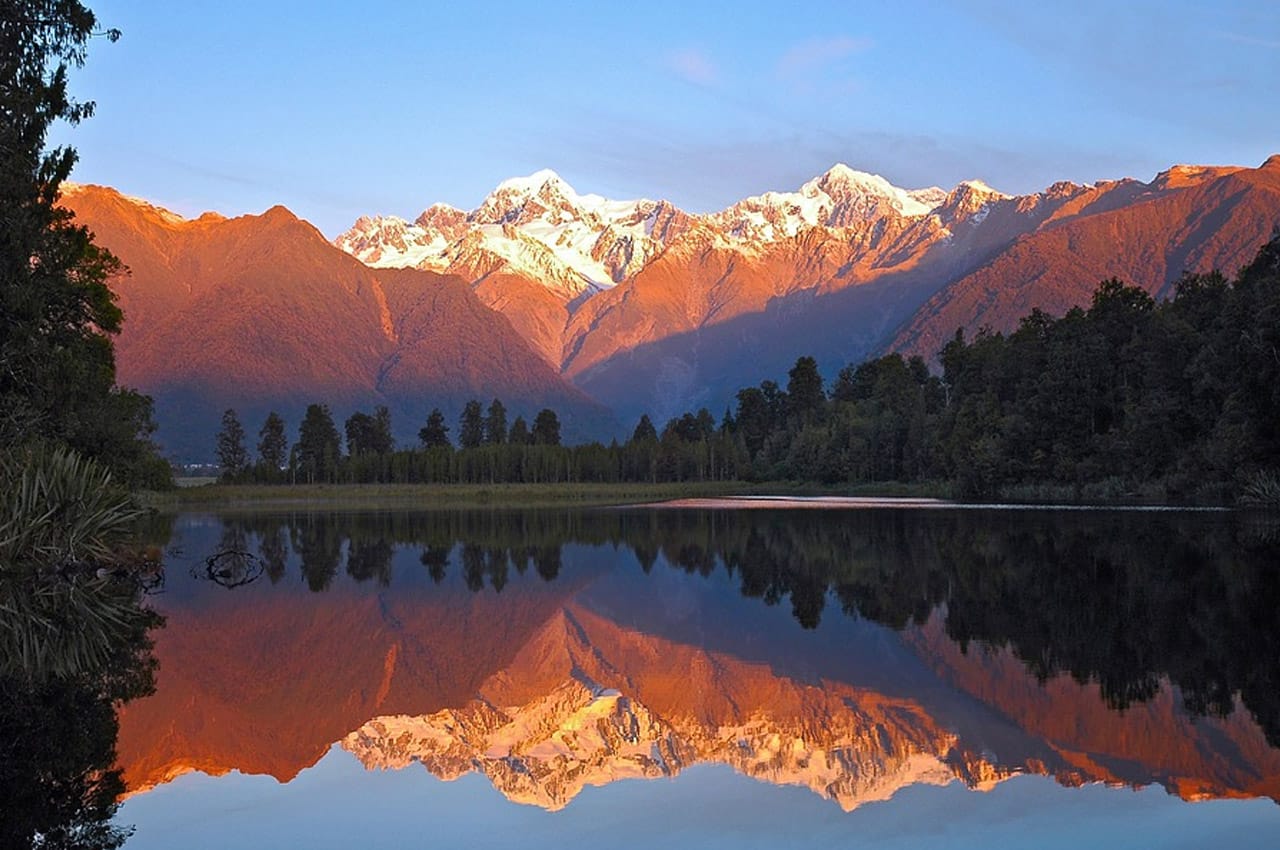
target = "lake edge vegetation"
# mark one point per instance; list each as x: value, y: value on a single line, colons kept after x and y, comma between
x: 74, y: 638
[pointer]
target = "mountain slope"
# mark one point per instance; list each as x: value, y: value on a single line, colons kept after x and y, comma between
x: 704, y: 320
x: 261, y: 312
x: 842, y: 268
x: 643, y: 307
x: 533, y: 250
x: 1188, y: 219
x: 694, y: 307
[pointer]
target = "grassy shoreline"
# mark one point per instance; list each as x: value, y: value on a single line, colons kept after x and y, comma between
x: 378, y: 496
x: 202, y: 495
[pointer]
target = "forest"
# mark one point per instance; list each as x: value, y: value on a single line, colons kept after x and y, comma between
x: 1128, y: 398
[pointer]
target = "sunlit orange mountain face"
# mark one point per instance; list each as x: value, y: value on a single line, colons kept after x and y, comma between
x: 546, y: 297
x: 261, y: 312
x: 849, y: 655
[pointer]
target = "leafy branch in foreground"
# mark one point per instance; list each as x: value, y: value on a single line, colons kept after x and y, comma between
x: 1262, y: 488
x: 69, y: 587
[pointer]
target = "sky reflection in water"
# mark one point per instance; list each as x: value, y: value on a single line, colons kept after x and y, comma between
x: 553, y: 688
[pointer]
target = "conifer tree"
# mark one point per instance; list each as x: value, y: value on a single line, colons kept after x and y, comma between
x: 519, y: 435
x: 546, y: 428
x: 233, y: 458
x: 273, y: 446
x: 471, y: 426
x: 319, y: 445
x: 495, y: 424
x: 435, y: 434
x: 644, y: 432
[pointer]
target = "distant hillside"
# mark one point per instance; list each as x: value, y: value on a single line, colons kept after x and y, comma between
x: 261, y: 312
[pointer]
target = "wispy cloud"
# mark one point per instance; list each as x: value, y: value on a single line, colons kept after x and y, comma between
x: 1271, y: 43
x: 816, y: 54
x: 635, y: 158
x: 693, y: 65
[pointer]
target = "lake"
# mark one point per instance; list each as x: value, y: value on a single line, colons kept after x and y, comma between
x: 873, y: 676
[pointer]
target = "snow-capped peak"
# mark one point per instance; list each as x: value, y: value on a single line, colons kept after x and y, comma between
x: 839, y: 197
x: 863, y: 191
x: 931, y: 197
x: 842, y: 172
x: 537, y: 225
x: 593, y: 243
x: 388, y: 240
x: 980, y: 187
x: 841, y: 180
x: 974, y: 194
x: 542, y: 194
x: 970, y: 200
x: 532, y: 183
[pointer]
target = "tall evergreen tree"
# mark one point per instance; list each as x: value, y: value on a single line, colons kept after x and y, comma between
x: 546, y: 428
x: 471, y: 426
x: 495, y: 424
x: 233, y: 458
x: 519, y: 435
x: 359, y: 431
x: 369, y: 434
x: 273, y: 446
x: 383, y: 442
x: 805, y: 396
x: 319, y: 446
x: 644, y: 432
x: 754, y: 419
x: 435, y: 434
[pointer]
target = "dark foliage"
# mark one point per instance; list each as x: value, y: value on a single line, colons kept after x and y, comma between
x: 435, y: 434
x: 233, y: 457
x: 57, y: 314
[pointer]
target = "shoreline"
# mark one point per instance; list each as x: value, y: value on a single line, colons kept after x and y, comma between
x: 775, y: 502
x: 713, y: 495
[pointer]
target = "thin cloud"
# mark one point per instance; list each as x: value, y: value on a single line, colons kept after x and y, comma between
x: 817, y: 53
x: 693, y: 65
x: 631, y: 158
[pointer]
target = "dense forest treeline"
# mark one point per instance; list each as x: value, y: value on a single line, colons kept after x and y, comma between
x: 1177, y: 595
x: 1126, y: 398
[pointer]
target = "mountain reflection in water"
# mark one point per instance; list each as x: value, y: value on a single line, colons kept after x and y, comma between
x: 852, y: 653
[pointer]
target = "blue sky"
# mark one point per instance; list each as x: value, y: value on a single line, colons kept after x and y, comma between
x: 336, y: 110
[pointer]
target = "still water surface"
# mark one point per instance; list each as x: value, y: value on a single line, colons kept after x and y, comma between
x: 699, y: 678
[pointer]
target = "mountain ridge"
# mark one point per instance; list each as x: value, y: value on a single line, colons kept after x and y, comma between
x: 638, y: 306
x: 261, y: 313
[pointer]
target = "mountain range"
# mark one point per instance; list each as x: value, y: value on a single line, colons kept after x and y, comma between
x: 606, y: 309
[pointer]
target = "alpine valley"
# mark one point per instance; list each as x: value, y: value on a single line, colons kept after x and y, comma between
x: 603, y: 309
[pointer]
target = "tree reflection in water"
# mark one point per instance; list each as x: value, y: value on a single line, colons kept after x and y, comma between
x: 74, y: 646
x: 1122, y: 599
x: 58, y: 774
